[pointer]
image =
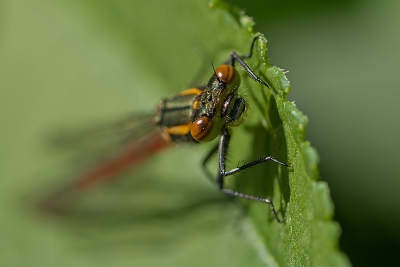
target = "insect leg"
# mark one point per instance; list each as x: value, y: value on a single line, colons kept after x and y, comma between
x: 222, y: 152
x: 205, y: 161
x: 235, y: 57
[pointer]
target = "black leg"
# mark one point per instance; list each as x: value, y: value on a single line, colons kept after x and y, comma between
x: 251, y: 48
x: 235, y: 57
x: 205, y: 161
x: 222, y: 152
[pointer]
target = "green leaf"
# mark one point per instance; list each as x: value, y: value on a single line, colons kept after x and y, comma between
x: 308, y: 237
x: 70, y: 62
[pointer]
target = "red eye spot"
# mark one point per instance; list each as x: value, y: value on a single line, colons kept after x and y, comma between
x: 201, y: 128
x: 226, y: 73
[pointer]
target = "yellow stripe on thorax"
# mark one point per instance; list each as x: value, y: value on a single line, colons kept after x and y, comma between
x: 191, y: 91
x: 179, y: 130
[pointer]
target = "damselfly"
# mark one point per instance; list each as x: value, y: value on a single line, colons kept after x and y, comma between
x: 195, y: 115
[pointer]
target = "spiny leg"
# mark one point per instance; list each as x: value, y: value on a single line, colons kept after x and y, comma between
x: 205, y: 161
x: 235, y: 57
x: 222, y: 152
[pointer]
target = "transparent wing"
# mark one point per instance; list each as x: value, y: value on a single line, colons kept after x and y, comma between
x: 103, y: 152
x: 103, y: 137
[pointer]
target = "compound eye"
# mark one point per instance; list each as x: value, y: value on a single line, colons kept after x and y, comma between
x: 202, y: 129
x: 228, y: 74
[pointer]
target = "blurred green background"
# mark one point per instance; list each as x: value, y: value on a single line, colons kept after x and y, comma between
x: 70, y: 62
x: 74, y: 64
x: 343, y: 60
